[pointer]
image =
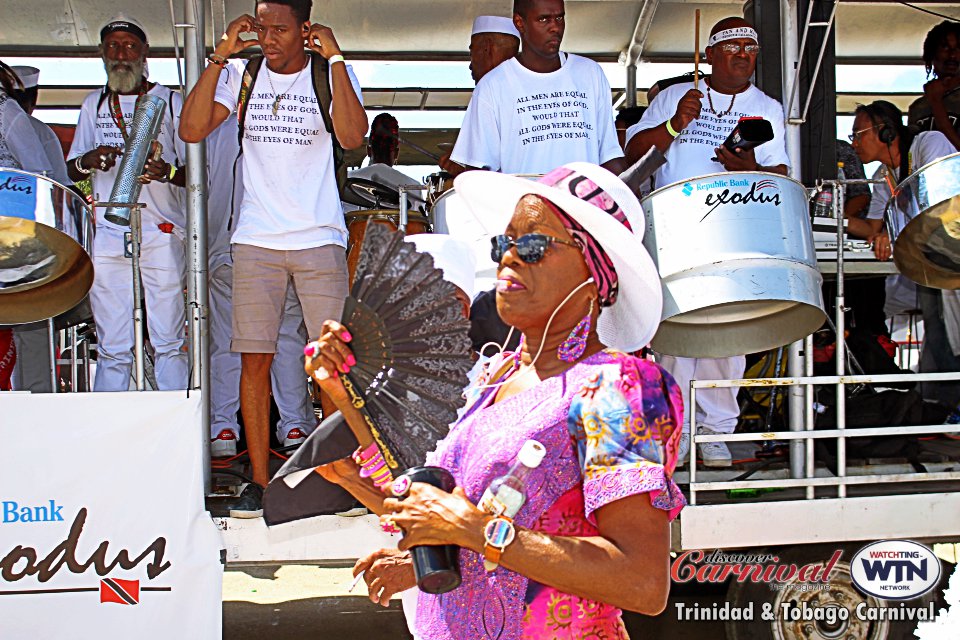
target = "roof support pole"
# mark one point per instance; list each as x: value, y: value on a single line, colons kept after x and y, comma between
x: 196, y: 191
x: 630, y: 56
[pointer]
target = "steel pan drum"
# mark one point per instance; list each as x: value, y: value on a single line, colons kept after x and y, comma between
x: 923, y: 219
x: 738, y: 266
x: 46, y: 234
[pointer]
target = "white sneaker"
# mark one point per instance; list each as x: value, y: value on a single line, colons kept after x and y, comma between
x: 224, y: 445
x: 683, y: 451
x: 714, y: 454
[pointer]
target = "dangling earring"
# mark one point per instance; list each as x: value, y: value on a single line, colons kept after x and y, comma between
x: 573, y: 347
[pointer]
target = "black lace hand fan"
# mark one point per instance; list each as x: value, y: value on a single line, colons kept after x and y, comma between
x: 411, y: 345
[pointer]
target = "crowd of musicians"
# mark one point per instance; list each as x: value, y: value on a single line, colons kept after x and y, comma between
x: 275, y: 127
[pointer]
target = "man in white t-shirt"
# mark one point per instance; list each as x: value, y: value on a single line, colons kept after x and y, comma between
x: 102, y: 128
x: 541, y: 109
x: 53, y: 152
x: 32, y: 372
x: 689, y: 127
x: 880, y: 136
x: 294, y: 404
x: 290, y: 227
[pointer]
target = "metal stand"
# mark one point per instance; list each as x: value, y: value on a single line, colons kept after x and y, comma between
x: 135, y: 230
x: 135, y: 237
x: 52, y: 352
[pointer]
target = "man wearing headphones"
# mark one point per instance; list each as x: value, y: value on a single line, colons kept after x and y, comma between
x: 879, y: 135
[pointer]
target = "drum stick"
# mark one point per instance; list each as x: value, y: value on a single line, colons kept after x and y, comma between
x: 416, y: 147
x: 696, y: 53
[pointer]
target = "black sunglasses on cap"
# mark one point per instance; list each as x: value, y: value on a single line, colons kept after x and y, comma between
x: 530, y: 247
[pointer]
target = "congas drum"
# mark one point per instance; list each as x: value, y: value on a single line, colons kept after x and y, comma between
x: 437, y: 184
x: 923, y: 220
x: 738, y: 266
x: 46, y: 238
x: 357, y: 222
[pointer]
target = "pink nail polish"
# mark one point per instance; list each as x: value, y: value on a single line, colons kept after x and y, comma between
x: 311, y: 350
x: 346, y: 336
x: 351, y: 360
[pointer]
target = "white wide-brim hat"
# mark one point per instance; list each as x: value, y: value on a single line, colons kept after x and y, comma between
x: 631, y: 321
x: 453, y: 257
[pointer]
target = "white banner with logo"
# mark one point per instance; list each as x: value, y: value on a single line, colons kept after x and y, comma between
x: 103, y: 532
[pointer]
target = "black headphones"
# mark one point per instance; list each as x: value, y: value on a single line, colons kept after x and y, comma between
x: 887, y: 131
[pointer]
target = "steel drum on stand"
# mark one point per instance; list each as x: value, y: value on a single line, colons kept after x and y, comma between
x: 46, y: 237
x: 923, y: 220
x: 738, y: 266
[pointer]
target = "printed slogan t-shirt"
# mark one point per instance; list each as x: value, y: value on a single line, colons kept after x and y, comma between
x: 521, y: 121
x: 290, y: 198
x: 690, y: 154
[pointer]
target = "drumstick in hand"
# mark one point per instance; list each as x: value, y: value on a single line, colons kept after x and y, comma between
x: 696, y: 53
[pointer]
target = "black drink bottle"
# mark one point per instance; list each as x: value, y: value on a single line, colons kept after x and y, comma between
x: 437, y: 568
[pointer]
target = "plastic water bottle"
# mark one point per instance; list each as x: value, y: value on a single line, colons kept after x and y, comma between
x: 508, y: 493
x: 823, y: 205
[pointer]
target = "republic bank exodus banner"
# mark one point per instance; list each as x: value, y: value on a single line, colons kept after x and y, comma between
x: 103, y: 532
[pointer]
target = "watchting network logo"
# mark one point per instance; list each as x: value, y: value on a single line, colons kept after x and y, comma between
x: 895, y: 569
x: 687, y: 189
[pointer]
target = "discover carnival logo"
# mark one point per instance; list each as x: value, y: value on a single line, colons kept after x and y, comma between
x: 23, y: 561
x: 895, y: 569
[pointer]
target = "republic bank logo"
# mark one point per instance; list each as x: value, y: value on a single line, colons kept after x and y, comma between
x: 21, y: 560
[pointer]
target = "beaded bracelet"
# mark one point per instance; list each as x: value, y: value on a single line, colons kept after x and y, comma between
x: 375, y: 465
x: 79, y: 167
x: 366, y: 455
x: 218, y: 60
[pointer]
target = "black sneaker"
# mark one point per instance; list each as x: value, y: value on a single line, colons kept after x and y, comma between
x: 249, y: 504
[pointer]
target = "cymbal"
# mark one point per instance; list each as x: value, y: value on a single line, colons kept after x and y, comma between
x: 928, y: 249
x: 446, y: 147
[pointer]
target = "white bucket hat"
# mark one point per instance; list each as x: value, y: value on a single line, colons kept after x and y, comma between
x: 451, y: 256
x: 594, y: 198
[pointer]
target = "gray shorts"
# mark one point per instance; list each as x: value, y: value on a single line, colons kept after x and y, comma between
x: 260, y: 280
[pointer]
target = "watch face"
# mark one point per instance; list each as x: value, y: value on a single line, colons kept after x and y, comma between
x: 499, y: 532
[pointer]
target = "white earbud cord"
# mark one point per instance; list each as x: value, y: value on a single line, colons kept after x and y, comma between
x: 540, y: 349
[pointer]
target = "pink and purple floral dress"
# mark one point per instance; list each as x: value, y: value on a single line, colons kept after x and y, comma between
x: 611, y: 425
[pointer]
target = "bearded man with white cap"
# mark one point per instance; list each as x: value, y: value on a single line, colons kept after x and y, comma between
x: 102, y: 130
x: 689, y: 128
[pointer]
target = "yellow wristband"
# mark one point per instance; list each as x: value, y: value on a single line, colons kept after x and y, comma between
x: 673, y: 134
x: 334, y: 59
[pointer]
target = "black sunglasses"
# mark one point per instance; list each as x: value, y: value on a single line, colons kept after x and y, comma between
x: 530, y: 248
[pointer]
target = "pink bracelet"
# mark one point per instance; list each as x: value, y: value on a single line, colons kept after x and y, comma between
x: 369, y: 470
x: 362, y: 458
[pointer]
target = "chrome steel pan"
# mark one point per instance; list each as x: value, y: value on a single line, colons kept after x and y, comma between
x: 923, y: 219
x: 737, y: 262
x: 46, y: 238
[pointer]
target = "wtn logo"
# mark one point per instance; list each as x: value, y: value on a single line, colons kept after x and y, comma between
x: 50, y: 512
x: 902, y: 570
x: 895, y: 569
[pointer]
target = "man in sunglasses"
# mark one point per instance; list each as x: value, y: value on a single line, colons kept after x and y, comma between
x: 689, y: 127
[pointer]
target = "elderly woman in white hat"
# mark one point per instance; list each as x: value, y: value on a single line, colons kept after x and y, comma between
x: 593, y: 535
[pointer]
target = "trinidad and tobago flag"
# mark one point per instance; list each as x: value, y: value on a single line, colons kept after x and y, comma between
x: 120, y: 591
